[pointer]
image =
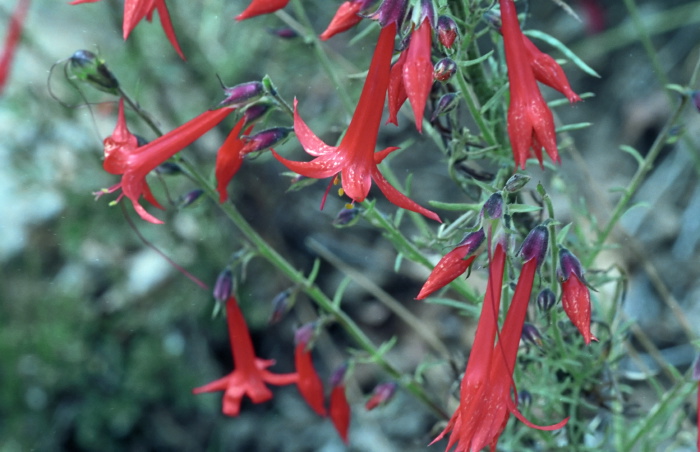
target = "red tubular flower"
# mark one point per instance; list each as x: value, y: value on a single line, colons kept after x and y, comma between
x: 346, y: 17
x: 250, y: 374
x: 354, y: 158
x: 137, y: 10
x: 453, y: 263
x: 309, y: 383
x: 530, y: 121
x: 575, y: 297
x: 230, y: 158
x: 14, y: 33
x: 260, y: 7
x: 381, y: 395
x: 339, y: 409
x: 122, y: 156
x: 548, y: 71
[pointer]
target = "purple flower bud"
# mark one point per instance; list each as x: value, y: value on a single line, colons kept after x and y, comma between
x: 168, y: 168
x: 447, y: 103
x: 546, y: 299
x: 255, y: 112
x: 284, y: 33
x: 493, y: 207
x: 88, y: 67
x: 531, y: 334
x: 265, y: 139
x: 338, y: 375
x: 447, y: 31
x: 190, y: 197
x: 516, y: 182
x: 473, y: 241
x: 427, y: 11
x: 382, y: 393
x: 524, y: 398
x: 390, y: 11
x: 223, y: 286
x: 696, y: 369
x: 243, y: 94
x: 304, y: 334
x: 535, y: 245
x: 444, y: 69
x: 346, y: 216
x: 568, y: 264
x: 280, y: 306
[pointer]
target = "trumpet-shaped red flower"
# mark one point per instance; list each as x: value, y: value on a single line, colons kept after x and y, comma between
x: 453, y: 263
x: 137, y: 10
x: 250, y: 374
x: 530, y: 121
x: 14, y: 33
x: 575, y: 297
x: 122, y: 156
x: 354, y: 158
x: 230, y: 158
x: 309, y: 383
x: 260, y: 7
x: 346, y: 17
x: 339, y: 409
x: 412, y: 75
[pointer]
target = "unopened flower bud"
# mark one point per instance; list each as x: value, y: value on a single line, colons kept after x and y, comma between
x: 530, y: 334
x: 338, y: 376
x: 426, y: 11
x: 473, y: 242
x: 190, y: 197
x: 284, y: 33
x: 88, y: 67
x: 568, y: 264
x: 535, y: 245
x: 524, y: 398
x: 223, y: 286
x: 696, y: 369
x: 304, y: 334
x: 256, y: 112
x: 695, y: 97
x: 516, y: 182
x: 382, y: 393
x: 280, y: 306
x: 168, y: 169
x: 447, y: 31
x: 346, y: 217
x: 493, y: 207
x: 390, y: 11
x: 444, y: 69
x: 243, y: 94
x: 447, y: 103
x: 546, y: 299
x: 265, y: 139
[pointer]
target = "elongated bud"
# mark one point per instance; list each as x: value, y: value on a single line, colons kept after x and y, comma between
x: 223, y: 286
x: 447, y: 31
x: 531, y: 334
x: 568, y: 265
x: 265, y: 139
x: 473, y: 242
x: 190, y: 197
x: 309, y: 383
x: 446, y: 104
x: 390, y: 11
x: 88, y: 67
x: 546, y: 299
x: 493, y: 207
x: 535, y: 245
x: 339, y: 409
x: 381, y: 395
x: 426, y: 11
x: 444, y: 69
x: 338, y: 376
x: 516, y: 182
x: 280, y: 306
x: 255, y: 112
x: 303, y: 335
x: 242, y: 94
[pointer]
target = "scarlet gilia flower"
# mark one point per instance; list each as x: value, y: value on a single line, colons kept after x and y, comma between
x: 354, y: 158
x: 309, y: 383
x: 260, y: 7
x: 137, y: 10
x: 381, y: 394
x: 548, y: 71
x: 453, y: 264
x: 530, y: 121
x: 346, y: 17
x: 339, y: 409
x: 123, y: 156
x: 250, y: 374
x: 575, y: 297
x: 14, y: 33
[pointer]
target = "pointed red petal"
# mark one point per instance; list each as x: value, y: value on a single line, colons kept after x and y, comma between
x: 340, y: 412
x: 217, y: 385
x: 259, y: 7
x: 167, y: 25
x: 229, y: 160
x: 309, y: 141
x: 418, y: 71
x: 12, y: 39
x: 396, y: 92
x: 134, y: 12
x: 345, y: 18
x: 309, y: 383
x: 399, y: 199
x: 447, y: 270
x: 319, y: 168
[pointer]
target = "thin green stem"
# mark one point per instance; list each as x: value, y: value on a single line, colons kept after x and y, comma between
x: 470, y: 98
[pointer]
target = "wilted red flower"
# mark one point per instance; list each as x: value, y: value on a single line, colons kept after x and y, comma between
x: 575, y: 297
x: 250, y: 374
x: 346, y: 17
x: 339, y: 409
x: 354, y: 158
x: 260, y: 7
x: 137, y: 10
x: 530, y: 121
x: 122, y: 156
x: 309, y: 383
x: 14, y: 33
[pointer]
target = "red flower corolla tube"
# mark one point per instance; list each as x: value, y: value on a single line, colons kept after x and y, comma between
x: 14, y: 33
x: 575, y: 297
x: 530, y: 121
x: 309, y: 383
x: 339, y: 409
x: 137, y: 10
x: 250, y: 374
x: 260, y: 7
x: 381, y: 395
x: 346, y: 17
x: 229, y: 159
x: 122, y: 156
x: 548, y: 71
x: 355, y: 157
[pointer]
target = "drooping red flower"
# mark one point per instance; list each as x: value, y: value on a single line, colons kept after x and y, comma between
x: 230, y: 158
x: 260, y: 7
x: 412, y: 75
x: 346, y: 17
x: 575, y: 296
x: 122, y: 156
x: 250, y: 375
x: 14, y: 33
x: 530, y: 121
x: 309, y: 383
x: 339, y: 409
x: 137, y: 10
x: 453, y: 263
x: 548, y: 71
x: 354, y: 158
